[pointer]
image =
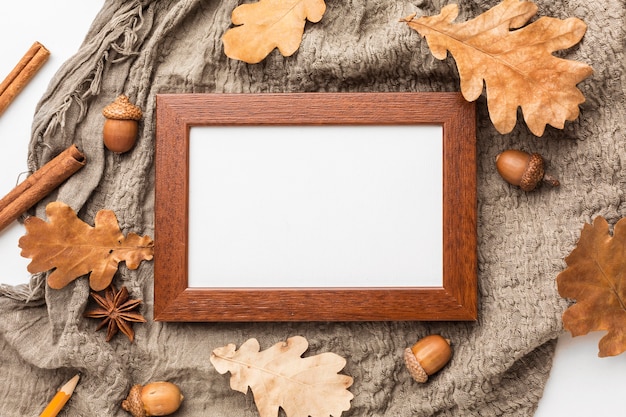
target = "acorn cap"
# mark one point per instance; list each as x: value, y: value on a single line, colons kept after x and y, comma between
x: 533, y: 174
x: 415, y: 369
x: 133, y: 403
x: 122, y: 109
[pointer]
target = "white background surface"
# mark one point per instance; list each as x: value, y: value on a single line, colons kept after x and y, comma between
x: 580, y: 383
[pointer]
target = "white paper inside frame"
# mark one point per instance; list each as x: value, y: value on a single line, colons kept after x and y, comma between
x: 315, y: 206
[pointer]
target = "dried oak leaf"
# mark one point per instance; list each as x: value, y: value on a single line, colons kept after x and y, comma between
x: 268, y: 24
x: 516, y: 66
x: 73, y: 248
x: 280, y: 377
x: 596, y: 278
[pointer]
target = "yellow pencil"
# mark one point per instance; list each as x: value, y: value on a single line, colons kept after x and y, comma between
x: 60, y: 398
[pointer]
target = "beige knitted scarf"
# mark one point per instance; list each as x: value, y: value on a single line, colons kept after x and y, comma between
x: 144, y: 47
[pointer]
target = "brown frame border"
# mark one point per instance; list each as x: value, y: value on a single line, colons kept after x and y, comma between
x: 177, y: 113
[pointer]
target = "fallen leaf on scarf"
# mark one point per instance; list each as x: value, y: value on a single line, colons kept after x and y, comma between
x: 596, y: 278
x: 516, y: 67
x: 280, y: 378
x: 73, y: 248
x: 261, y: 27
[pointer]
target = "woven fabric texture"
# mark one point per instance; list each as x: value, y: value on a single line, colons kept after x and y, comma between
x: 144, y: 47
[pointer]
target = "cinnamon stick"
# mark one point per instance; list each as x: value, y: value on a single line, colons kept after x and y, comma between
x: 23, y: 72
x: 41, y: 183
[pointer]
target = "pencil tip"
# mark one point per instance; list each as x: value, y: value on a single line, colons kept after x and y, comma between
x: 69, y: 387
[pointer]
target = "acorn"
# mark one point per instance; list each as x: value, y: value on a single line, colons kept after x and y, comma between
x: 427, y: 356
x: 121, y: 124
x: 154, y: 399
x: 523, y: 169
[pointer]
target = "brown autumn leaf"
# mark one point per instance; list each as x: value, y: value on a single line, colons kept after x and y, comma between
x: 261, y: 27
x: 596, y: 278
x: 280, y: 378
x: 516, y: 66
x: 73, y: 248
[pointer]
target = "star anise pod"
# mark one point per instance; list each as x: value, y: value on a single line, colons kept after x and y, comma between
x: 115, y: 308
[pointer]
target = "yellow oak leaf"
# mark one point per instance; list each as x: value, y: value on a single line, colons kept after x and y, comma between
x: 517, y: 67
x: 261, y: 27
x: 280, y: 378
x: 73, y: 248
x: 596, y: 278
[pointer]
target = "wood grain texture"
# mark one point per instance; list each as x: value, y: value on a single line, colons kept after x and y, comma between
x: 455, y: 300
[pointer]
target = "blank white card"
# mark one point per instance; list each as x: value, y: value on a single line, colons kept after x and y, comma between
x: 315, y: 206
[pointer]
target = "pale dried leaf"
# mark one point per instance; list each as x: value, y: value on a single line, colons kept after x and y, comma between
x: 261, y: 27
x: 596, y: 278
x: 517, y: 67
x: 280, y: 378
x: 73, y: 248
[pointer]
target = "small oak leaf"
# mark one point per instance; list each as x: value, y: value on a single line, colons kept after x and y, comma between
x: 517, y: 67
x: 261, y: 27
x: 73, y: 248
x: 596, y: 278
x: 280, y: 378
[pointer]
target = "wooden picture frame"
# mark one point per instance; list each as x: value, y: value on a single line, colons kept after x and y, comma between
x: 176, y: 114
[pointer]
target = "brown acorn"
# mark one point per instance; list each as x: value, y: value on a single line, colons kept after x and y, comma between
x: 154, y: 399
x: 121, y: 124
x: 523, y: 169
x: 427, y: 356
